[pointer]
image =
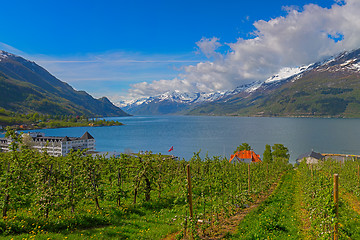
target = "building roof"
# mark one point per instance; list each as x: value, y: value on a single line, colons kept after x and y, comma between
x: 87, y: 135
x: 311, y: 154
x: 66, y: 139
x: 246, y: 154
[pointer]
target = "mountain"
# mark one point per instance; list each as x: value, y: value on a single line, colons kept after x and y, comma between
x: 330, y: 88
x: 177, y: 102
x: 26, y: 87
x: 325, y: 88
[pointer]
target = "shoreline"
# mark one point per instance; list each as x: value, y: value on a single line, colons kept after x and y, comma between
x: 26, y: 127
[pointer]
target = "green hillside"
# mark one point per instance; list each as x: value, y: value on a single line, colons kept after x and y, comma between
x: 26, y: 87
x: 316, y: 93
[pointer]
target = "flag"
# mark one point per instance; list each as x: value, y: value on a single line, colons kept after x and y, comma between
x: 172, y: 148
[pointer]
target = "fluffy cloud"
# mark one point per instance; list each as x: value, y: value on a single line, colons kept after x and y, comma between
x: 299, y: 38
x: 209, y: 46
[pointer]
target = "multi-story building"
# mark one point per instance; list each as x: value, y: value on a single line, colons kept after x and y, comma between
x: 4, y: 144
x: 56, y: 146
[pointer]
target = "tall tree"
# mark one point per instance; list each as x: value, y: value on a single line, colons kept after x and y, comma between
x: 280, y: 151
x: 267, y: 157
x: 243, y: 146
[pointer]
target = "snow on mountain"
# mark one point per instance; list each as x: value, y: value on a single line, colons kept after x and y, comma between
x: 3, y: 55
x: 188, y: 98
x: 346, y: 61
x: 287, y: 72
x: 198, y: 98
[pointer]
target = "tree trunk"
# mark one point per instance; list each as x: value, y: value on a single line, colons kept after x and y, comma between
x: 136, y: 191
x: 7, y: 196
x: 95, y: 191
x: 147, y: 189
x: 72, y: 191
x: 6, y: 204
x: 119, y: 187
x: 159, y: 196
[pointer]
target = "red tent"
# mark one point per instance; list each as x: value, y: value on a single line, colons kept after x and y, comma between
x: 246, y: 156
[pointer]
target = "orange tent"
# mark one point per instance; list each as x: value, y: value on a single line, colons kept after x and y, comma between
x: 244, y: 155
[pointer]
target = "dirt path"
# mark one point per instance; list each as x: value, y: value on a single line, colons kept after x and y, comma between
x: 229, y: 225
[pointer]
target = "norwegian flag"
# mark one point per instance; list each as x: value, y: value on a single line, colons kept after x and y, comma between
x: 172, y: 148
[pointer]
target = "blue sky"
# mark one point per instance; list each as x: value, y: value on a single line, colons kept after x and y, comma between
x: 128, y: 49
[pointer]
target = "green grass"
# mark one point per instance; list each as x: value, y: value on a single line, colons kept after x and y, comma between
x: 349, y: 227
x: 275, y: 218
x: 146, y: 221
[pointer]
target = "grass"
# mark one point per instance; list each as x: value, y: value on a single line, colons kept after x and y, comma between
x: 147, y: 221
x: 275, y: 218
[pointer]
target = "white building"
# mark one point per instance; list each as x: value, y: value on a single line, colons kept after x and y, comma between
x: 55, y: 146
x: 4, y: 144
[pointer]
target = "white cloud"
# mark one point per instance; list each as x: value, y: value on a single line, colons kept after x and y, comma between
x: 208, y: 46
x: 299, y: 38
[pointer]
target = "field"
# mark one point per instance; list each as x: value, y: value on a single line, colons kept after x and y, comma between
x: 146, y: 196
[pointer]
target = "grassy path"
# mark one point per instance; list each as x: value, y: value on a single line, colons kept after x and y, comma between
x: 302, y: 213
x: 276, y: 217
x: 228, y: 226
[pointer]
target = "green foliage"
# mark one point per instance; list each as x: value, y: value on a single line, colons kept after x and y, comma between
x: 331, y: 106
x: 316, y: 184
x: 243, y: 146
x: 36, y: 120
x: 335, y: 91
x: 276, y: 217
x: 267, y: 156
x: 82, y: 191
x: 280, y: 152
x: 317, y: 187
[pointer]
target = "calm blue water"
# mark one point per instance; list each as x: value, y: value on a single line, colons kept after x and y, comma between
x: 221, y: 135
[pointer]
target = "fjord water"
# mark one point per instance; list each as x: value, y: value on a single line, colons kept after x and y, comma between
x: 219, y: 136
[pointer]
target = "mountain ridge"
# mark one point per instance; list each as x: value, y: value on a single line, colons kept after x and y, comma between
x: 263, y: 98
x: 328, y: 88
x: 27, y: 87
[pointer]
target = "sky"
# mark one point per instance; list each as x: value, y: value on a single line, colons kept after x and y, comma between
x: 130, y: 49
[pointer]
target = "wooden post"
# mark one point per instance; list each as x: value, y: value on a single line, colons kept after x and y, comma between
x: 189, y: 190
x: 249, y: 177
x: 358, y: 173
x: 336, y: 201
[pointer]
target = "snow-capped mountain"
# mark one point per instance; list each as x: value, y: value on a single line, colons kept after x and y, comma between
x: 287, y: 72
x: 327, y: 88
x: 186, y: 100
x: 181, y: 100
x: 178, y: 102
